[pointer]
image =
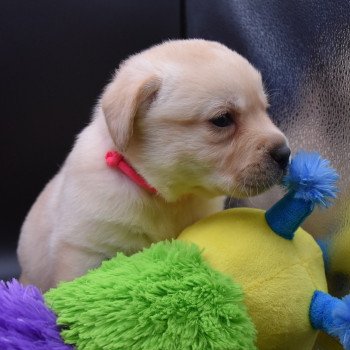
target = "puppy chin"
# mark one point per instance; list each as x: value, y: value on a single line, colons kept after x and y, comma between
x: 248, y: 191
x: 171, y: 195
x: 251, y: 184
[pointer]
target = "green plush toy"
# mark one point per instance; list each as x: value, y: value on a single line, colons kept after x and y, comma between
x: 165, y: 298
x: 242, y: 279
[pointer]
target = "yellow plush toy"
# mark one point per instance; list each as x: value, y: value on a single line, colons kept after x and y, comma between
x: 278, y: 276
x: 281, y: 274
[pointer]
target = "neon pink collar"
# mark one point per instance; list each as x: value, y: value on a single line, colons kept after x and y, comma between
x: 116, y: 160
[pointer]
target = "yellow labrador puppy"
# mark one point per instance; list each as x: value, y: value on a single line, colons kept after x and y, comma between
x: 185, y: 123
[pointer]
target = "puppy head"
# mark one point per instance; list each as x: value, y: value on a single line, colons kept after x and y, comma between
x: 190, y: 115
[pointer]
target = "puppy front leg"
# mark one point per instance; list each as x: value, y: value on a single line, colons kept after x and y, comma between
x: 72, y: 261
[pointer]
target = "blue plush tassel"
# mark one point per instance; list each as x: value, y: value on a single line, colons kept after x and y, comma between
x: 332, y: 316
x: 311, y: 181
x: 341, y: 315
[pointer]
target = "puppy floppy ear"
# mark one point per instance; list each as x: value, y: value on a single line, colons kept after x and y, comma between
x: 121, y: 101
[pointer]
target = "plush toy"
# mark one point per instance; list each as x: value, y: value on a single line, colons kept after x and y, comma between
x: 242, y: 279
x: 278, y: 264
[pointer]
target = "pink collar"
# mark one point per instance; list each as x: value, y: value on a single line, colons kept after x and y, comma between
x: 117, y: 161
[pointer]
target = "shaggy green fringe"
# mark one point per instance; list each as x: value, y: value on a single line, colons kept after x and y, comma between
x: 164, y: 298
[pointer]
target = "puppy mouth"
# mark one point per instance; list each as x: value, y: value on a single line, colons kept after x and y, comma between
x: 251, y: 183
x: 249, y: 191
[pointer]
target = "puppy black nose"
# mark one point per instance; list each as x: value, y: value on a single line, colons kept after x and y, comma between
x: 281, y: 155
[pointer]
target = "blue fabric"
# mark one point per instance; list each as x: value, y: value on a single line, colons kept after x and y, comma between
x: 321, y: 311
x: 341, y: 315
x: 288, y: 214
x: 312, y: 178
x: 310, y: 181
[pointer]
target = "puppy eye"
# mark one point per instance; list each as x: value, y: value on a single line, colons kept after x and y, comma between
x: 222, y: 121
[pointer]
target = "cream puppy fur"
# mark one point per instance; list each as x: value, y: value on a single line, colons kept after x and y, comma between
x: 190, y: 116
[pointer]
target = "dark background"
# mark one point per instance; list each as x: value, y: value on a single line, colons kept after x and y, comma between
x: 55, y: 58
